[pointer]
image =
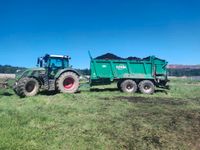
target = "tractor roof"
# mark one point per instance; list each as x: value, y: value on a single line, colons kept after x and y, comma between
x: 61, y: 56
x: 56, y: 56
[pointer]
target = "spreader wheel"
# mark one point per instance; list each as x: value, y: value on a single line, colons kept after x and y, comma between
x: 129, y: 86
x: 119, y: 85
x: 147, y: 87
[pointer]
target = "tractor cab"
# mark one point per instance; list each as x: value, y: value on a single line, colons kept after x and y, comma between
x: 53, y: 61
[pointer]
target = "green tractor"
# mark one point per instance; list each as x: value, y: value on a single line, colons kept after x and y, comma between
x: 52, y: 74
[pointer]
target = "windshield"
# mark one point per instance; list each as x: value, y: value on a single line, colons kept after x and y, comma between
x: 53, y: 62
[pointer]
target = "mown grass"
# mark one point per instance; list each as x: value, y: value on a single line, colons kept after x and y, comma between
x: 103, y: 119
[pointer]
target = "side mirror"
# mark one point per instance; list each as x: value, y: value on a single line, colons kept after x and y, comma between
x: 41, y: 63
x: 38, y: 62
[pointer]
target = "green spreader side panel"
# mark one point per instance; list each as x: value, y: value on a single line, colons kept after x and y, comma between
x: 160, y: 66
x: 105, y: 71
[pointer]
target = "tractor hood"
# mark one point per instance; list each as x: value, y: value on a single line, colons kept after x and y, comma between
x: 31, y: 72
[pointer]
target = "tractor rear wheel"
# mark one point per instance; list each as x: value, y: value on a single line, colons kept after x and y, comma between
x: 129, y: 86
x: 27, y: 87
x: 147, y: 87
x: 68, y: 82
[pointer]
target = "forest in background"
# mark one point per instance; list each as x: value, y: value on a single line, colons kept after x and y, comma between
x: 171, y: 71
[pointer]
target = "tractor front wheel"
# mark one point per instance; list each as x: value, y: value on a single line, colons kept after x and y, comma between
x: 27, y: 87
x: 68, y: 82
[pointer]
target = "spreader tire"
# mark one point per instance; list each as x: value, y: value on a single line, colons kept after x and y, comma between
x: 27, y: 87
x: 129, y: 86
x: 119, y: 85
x: 146, y: 87
x: 68, y: 82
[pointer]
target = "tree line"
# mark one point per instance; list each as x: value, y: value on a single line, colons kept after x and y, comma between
x: 183, y: 72
x: 171, y: 72
x: 10, y: 69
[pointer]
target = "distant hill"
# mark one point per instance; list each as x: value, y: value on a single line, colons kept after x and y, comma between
x: 7, y: 69
x: 184, y: 70
x: 173, y: 70
x: 10, y: 69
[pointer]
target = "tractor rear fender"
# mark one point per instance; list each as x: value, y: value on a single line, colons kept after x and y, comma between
x: 66, y: 70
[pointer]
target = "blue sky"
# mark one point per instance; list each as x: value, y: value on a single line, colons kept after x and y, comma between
x: 169, y: 29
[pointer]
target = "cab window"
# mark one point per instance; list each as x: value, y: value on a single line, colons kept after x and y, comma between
x: 56, y: 63
x: 66, y: 63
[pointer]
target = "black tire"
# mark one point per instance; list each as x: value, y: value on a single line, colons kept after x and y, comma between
x: 15, y: 90
x: 146, y: 87
x: 119, y: 85
x: 129, y: 86
x: 68, y: 82
x: 27, y: 87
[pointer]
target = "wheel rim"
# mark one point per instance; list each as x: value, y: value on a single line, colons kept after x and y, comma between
x: 129, y: 87
x: 30, y: 86
x: 147, y: 88
x: 68, y: 83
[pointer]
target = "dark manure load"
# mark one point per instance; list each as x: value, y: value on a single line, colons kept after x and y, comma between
x: 109, y: 56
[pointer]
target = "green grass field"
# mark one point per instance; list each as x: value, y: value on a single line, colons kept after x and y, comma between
x: 102, y: 119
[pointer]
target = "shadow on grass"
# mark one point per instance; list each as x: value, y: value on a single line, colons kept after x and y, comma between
x: 161, y: 91
x: 155, y: 101
x: 51, y: 93
x: 7, y: 94
x: 48, y: 93
x: 104, y: 90
x: 116, y: 89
